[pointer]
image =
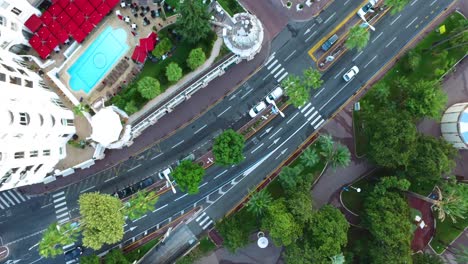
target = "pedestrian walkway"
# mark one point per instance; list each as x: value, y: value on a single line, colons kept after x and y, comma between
x: 204, y: 221
x: 11, y: 198
x: 61, y: 209
x: 313, y: 115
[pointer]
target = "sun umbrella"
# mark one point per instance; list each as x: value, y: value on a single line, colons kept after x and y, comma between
x: 55, y: 10
x: 95, y: 18
x: 106, y: 126
x: 43, y: 50
x: 112, y: 3
x: 52, y: 42
x: 87, y: 27
x: 33, y: 23
x: 62, y: 3
x: 71, y: 9
x: 46, y: 17
x: 54, y: 27
x: 96, y: 3
x: 78, y: 35
x: 35, y: 41
x: 71, y: 26
x: 79, y: 18
x: 103, y: 9
x: 80, y: 3
x: 43, y: 33
x: 62, y: 36
x: 87, y: 8
x: 63, y: 18
x: 139, y: 54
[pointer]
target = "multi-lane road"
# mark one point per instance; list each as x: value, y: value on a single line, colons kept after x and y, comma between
x: 22, y: 223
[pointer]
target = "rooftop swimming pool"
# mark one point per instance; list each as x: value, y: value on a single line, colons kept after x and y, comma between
x: 98, y: 59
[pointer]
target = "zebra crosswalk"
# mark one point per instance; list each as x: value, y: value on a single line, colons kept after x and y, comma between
x: 204, y: 221
x: 312, y: 114
x: 275, y: 68
x: 61, y: 209
x: 11, y: 197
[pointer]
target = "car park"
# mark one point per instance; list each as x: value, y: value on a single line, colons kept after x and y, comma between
x: 257, y: 109
x: 349, y: 75
x: 327, y: 44
x: 274, y: 95
x: 73, y: 254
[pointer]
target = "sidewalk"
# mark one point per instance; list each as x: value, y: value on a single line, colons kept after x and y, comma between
x: 308, y: 12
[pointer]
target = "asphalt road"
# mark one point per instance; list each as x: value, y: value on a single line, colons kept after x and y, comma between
x: 22, y: 224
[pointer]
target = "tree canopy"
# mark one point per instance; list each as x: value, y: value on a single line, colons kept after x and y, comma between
x: 312, y: 78
x: 193, y: 23
x: 55, y: 238
x: 116, y: 256
x: 281, y: 224
x: 163, y: 47
x: 300, y: 205
x: 90, y: 259
x: 295, y: 90
x: 228, y: 148
x: 188, y: 176
x: 148, y: 87
x: 173, y: 72
x: 102, y: 219
x: 259, y: 202
x: 196, y: 58
x: 453, y: 201
x: 142, y: 202
x: 310, y: 157
x: 396, y: 5
x: 358, y: 37
x: 293, y: 179
x: 235, y: 231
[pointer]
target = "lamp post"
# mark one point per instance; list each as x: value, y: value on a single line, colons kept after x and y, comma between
x: 275, y: 108
x: 170, y: 183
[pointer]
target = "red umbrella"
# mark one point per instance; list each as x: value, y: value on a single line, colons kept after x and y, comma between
x: 62, y: 36
x: 96, y: 3
x: 46, y: 17
x: 63, y: 18
x: 52, y: 42
x: 79, y: 18
x: 33, y: 23
x: 35, y: 41
x: 87, y: 8
x: 71, y: 26
x: 43, y: 50
x: 62, y: 3
x: 87, y: 27
x: 95, y: 18
x: 54, y: 27
x: 80, y: 3
x: 43, y: 33
x: 139, y: 54
x: 145, y: 44
x: 71, y: 9
x: 78, y: 35
x: 103, y: 9
x: 55, y: 10
x: 112, y: 3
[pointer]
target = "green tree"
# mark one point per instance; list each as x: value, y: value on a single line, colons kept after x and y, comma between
x: 295, y: 90
x: 310, y: 157
x: 142, y: 202
x: 236, y: 230
x: 299, y: 253
x: 55, y: 238
x: 173, y: 72
x: 432, y: 159
x: 148, y: 87
x: 130, y: 107
x: 414, y: 59
x: 193, y: 23
x: 336, y: 155
x: 290, y: 177
x: 327, y: 233
x: 188, y: 176
x: 312, y: 78
x: 259, y: 202
x: 90, y: 259
x: 396, y: 5
x: 79, y: 109
x: 358, y: 37
x: 102, y: 219
x: 196, y: 58
x: 424, y: 258
x: 163, y: 47
x: 453, y: 201
x: 228, y: 148
x: 392, y: 137
x: 280, y: 223
x: 116, y: 256
x: 425, y: 99
x: 300, y: 206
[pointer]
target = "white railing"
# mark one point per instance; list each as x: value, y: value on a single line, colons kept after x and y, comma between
x: 167, y: 107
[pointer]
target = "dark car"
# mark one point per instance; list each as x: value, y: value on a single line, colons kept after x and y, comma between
x: 329, y: 42
x: 73, y: 254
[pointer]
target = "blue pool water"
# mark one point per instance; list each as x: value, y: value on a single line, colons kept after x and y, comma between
x: 98, y: 59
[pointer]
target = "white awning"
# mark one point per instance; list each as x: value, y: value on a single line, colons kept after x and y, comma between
x: 106, y: 126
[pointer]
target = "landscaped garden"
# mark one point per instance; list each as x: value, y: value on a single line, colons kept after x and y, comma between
x: 446, y: 232
x: 231, y: 6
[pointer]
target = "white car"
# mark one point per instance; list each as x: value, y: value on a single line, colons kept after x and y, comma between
x: 367, y: 8
x: 257, y: 109
x: 349, y: 75
x: 274, y: 95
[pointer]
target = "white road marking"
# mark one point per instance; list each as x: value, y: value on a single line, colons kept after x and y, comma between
x: 87, y: 189
x: 266, y: 76
x: 217, y: 176
x: 5, y: 202
x: 275, y: 133
x: 276, y: 68
x: 271, y: 65
x: 59, y: 199
x: 200, y: 216
x: 318, y: 125
x: 391, y: 41
x: 61, y: 210
x: 139, y: 218
x: 134, y: 167
x: 283, y: 76
x: 315, y: 120
x: 62, y: 215
x: 346, y: 2
x: 203, y: 185
x: 8, y: 198
x: 154, y: 211
x: 321, y: 90
x: 14, y: 197
x: 330, y: 17
x: 359, y: 54
x: 21, y: 196
x: 289, y: 56
x: 393, y: 22
x: 200, y: 129
x: 433, y: 2
x: 180, y: 142
x: 207, y: 225
x: 409, y: 25
x: 308, y: 112
x: 111, y: 178
x: 336, y: 76
x: 204, y: 220
x: 259, y: 146
x: 180, y: 197
x: 60, y: 205
x: 311, y: 35
x: 249, y: 91
x: 414, y: 2
x: 224, y: 111
x: 305, y: 107
x: 290, y: 119
x: 312, y: 116
x: 370, y: 61
x: 378, y: 36
x: 154, y: 157
x: 271, y: 58
x: 278, y: 73
x: 58, y: 194
x: 339, y: 91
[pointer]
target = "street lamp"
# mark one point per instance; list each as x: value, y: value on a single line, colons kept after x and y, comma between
x: 357, y: 189
x: 276, y: 109
x: 170, y: 183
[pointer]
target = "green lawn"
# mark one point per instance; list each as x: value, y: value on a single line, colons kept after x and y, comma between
x: 360, y: 138
x: 141, y: 251
x: 446, y: 232
x: 231, y: 6
x: 353, y: 200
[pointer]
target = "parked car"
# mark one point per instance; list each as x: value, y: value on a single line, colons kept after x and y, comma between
x: 73, y: 254
x: 367, y: 8
x: 132, y: 189
x: 274, y: 95
x: 327, y: 44
x: 165, y: 173
x: 257, y: 109
x: 351, y: 73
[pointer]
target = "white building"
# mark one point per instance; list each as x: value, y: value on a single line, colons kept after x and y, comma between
x: 35, y: 126
x: 454, y: 125
x: 13, y: 15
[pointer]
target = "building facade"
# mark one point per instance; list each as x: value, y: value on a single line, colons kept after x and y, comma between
x: 35, y: 126
x: 14, y: 35
x: 454, y: 125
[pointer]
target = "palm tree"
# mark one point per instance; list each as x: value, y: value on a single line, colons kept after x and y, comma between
x: 259, y: 202
x: 334, y: 154
x: 79, y: 109
x: 310, y: 157
x: 452, y: 202
x: 357, y: 38
x: 139, y: 204
x: 55, y: 237
x: 312, y: 78
x: 396, y: 5
x: 295, y: 90
x: 338, y: 259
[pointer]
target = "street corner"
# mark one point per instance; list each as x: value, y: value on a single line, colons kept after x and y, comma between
x: 4, y: 252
